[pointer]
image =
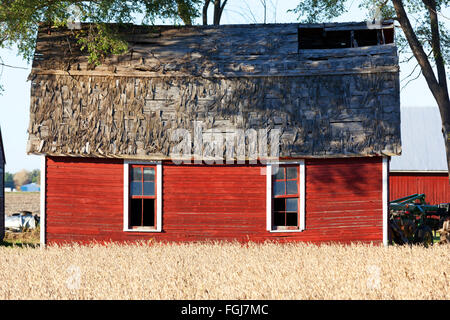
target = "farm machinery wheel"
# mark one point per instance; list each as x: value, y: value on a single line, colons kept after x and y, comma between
x: 424, y: 236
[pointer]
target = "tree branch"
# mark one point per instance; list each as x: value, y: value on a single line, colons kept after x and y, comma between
x: 218, y: 9
x: 14, y: 67
x: 411, y: 80
x: 436, y: 42
x: 416, y: 47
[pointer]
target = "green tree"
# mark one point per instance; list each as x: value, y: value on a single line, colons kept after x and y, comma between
x: 9, y: 180
x: 36, y: 176
x: 425, y: 39
x: 19, y: 21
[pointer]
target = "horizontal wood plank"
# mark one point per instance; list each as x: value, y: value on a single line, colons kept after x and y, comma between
x: 234, y: 210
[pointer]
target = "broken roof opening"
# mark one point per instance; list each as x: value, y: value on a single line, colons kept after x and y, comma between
x: 317, y: 37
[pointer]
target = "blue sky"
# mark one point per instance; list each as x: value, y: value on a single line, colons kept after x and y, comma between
x: 15, y: 101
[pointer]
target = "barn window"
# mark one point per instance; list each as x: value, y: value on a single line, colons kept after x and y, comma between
x: 285, y: 197
x: 142, y: 197
x: 142, y: 212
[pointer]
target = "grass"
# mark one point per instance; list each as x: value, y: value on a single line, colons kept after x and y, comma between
x: 25, y: 238
x: 225, y: 271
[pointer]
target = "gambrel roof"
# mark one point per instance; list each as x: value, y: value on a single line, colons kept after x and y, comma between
x: 332, y: 102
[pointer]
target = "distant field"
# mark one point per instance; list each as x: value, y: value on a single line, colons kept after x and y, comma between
x: 21, y: 201
x: 225, y: 271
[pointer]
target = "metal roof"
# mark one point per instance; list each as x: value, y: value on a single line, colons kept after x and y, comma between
x: 423, y: 147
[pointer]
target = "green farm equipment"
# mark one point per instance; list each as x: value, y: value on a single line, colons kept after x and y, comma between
x: 413, y: 221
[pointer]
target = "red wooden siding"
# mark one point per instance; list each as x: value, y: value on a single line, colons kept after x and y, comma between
x: 85, y: 202
x: 435, y: 186
x: 344, y: 200
x: 84, y: 199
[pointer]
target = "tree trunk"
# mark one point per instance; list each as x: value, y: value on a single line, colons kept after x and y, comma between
x: 438, y: 87
x: 218, y: 10
x: 444, y: 108
x: 205, y: 12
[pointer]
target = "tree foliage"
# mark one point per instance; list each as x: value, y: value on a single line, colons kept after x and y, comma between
x: 311, y: 11
x: 36, y: 176
x: 9, y: 180
x: 19, y: 20
x: 22, y: 177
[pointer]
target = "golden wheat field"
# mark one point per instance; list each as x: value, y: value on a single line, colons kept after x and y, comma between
x: 225, y: 271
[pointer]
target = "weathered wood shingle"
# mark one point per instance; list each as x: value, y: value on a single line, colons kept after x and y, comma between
x: 326, y: 103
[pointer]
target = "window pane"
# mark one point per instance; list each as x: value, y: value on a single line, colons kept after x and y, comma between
x: 292, y: 173
x: 135, y: 218
x: 136, y: 188
x: 291, y: 204
x: 292, y: 187
x: 291, y: 219
x: 136, y: 174
x: 279, y: 219
x: 149, y: 188
x: 279, y: 204
x: 280, y: 174
x: 279, y: 188
x: 149, y: 213
x: 149, y: 174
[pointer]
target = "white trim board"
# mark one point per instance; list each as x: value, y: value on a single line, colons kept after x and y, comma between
x: 269, y: 173
x: 418, y: 171
x: 385, y: 197
x: 42, y: 216
x: 126, y: 179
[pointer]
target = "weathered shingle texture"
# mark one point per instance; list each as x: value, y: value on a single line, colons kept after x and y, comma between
x: 326, y: 103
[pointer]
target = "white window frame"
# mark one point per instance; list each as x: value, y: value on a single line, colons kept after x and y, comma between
x: 126, y: 195
x: 43, y: 186
x: 301, y: 225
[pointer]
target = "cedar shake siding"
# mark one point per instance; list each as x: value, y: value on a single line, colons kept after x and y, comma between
x: 325, y: 103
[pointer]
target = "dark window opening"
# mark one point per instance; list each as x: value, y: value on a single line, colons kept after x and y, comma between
x: 135, y: 212
x: 148, y: 212
x: 142, y: 210
x: 319, y: 38
x: 286, y: 198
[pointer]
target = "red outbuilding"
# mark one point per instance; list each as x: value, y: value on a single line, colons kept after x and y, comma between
x: 240, y: 132
x: 422, y: 167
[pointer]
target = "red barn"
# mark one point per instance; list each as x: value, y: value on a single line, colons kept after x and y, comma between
x: 422, y: 167
x: 240, y: 132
